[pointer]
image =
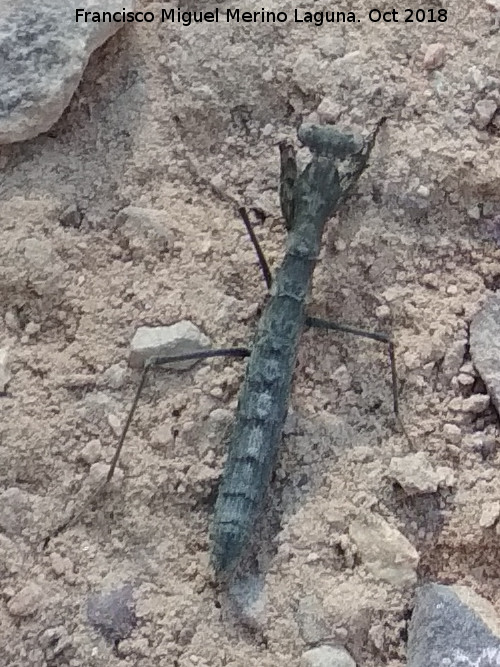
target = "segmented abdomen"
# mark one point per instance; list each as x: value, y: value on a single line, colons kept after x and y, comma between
x: 254, y: 442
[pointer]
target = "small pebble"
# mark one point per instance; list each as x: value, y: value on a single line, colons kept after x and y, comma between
x: 477, y: 403
x: 452, y: 433
x: 268, y: 130
x: 11, y: 321
x: 489, y: 514
x: 468, y: 368
x: 98, y: 473
x: 474, y: 212
x: 456, y: 404
x: 115, y: 424
x: 465, y: 380
x: 180, y: 338
x: 59, y: 564
x: 329, y: 111
x: 383, y: 312
x: 92, y: 452
x: 114, y: 376
x: 415, y: 474
x: 430, y: 280
x: 484, y: 111
x: 434, y: 56
x: 31, y: 329
x: 5, y: 374
x: 26, y: 601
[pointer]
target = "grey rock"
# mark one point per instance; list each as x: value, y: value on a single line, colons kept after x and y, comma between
x: 453, y: 626
x: 327, y: 656
x: 43, y: 53
x: 179, y: 338
x: 112, y: 614
x: 485, y: 346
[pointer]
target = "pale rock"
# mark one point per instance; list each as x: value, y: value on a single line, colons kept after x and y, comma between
x: 26, y: 601
x: 328, y: 111
x: 97, y: 474
x: 115, y: 424
x: 484, y: 110
x: 385, y: 552
x: 114, y: 376
x: 452, y: 433
x: 456, y: 403
x: 44, y: 52
x: 474, y: 212
x: 434, y: 56
x: 180, y: 338
x: 477, y: 403
x: 327, y: 656
x: 383, y: 312
x: 5, y: 374
x: 92, y: 452
x: 465, y: 380
x: 415, y: 474
x: 489, y: 514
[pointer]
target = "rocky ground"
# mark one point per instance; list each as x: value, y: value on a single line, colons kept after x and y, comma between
x: 120, y: 215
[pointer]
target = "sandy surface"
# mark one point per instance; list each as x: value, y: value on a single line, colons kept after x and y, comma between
x: 161, y: 111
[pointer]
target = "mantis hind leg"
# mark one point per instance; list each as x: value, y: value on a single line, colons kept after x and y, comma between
x: 159, y: 361
x: 319, y: 323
